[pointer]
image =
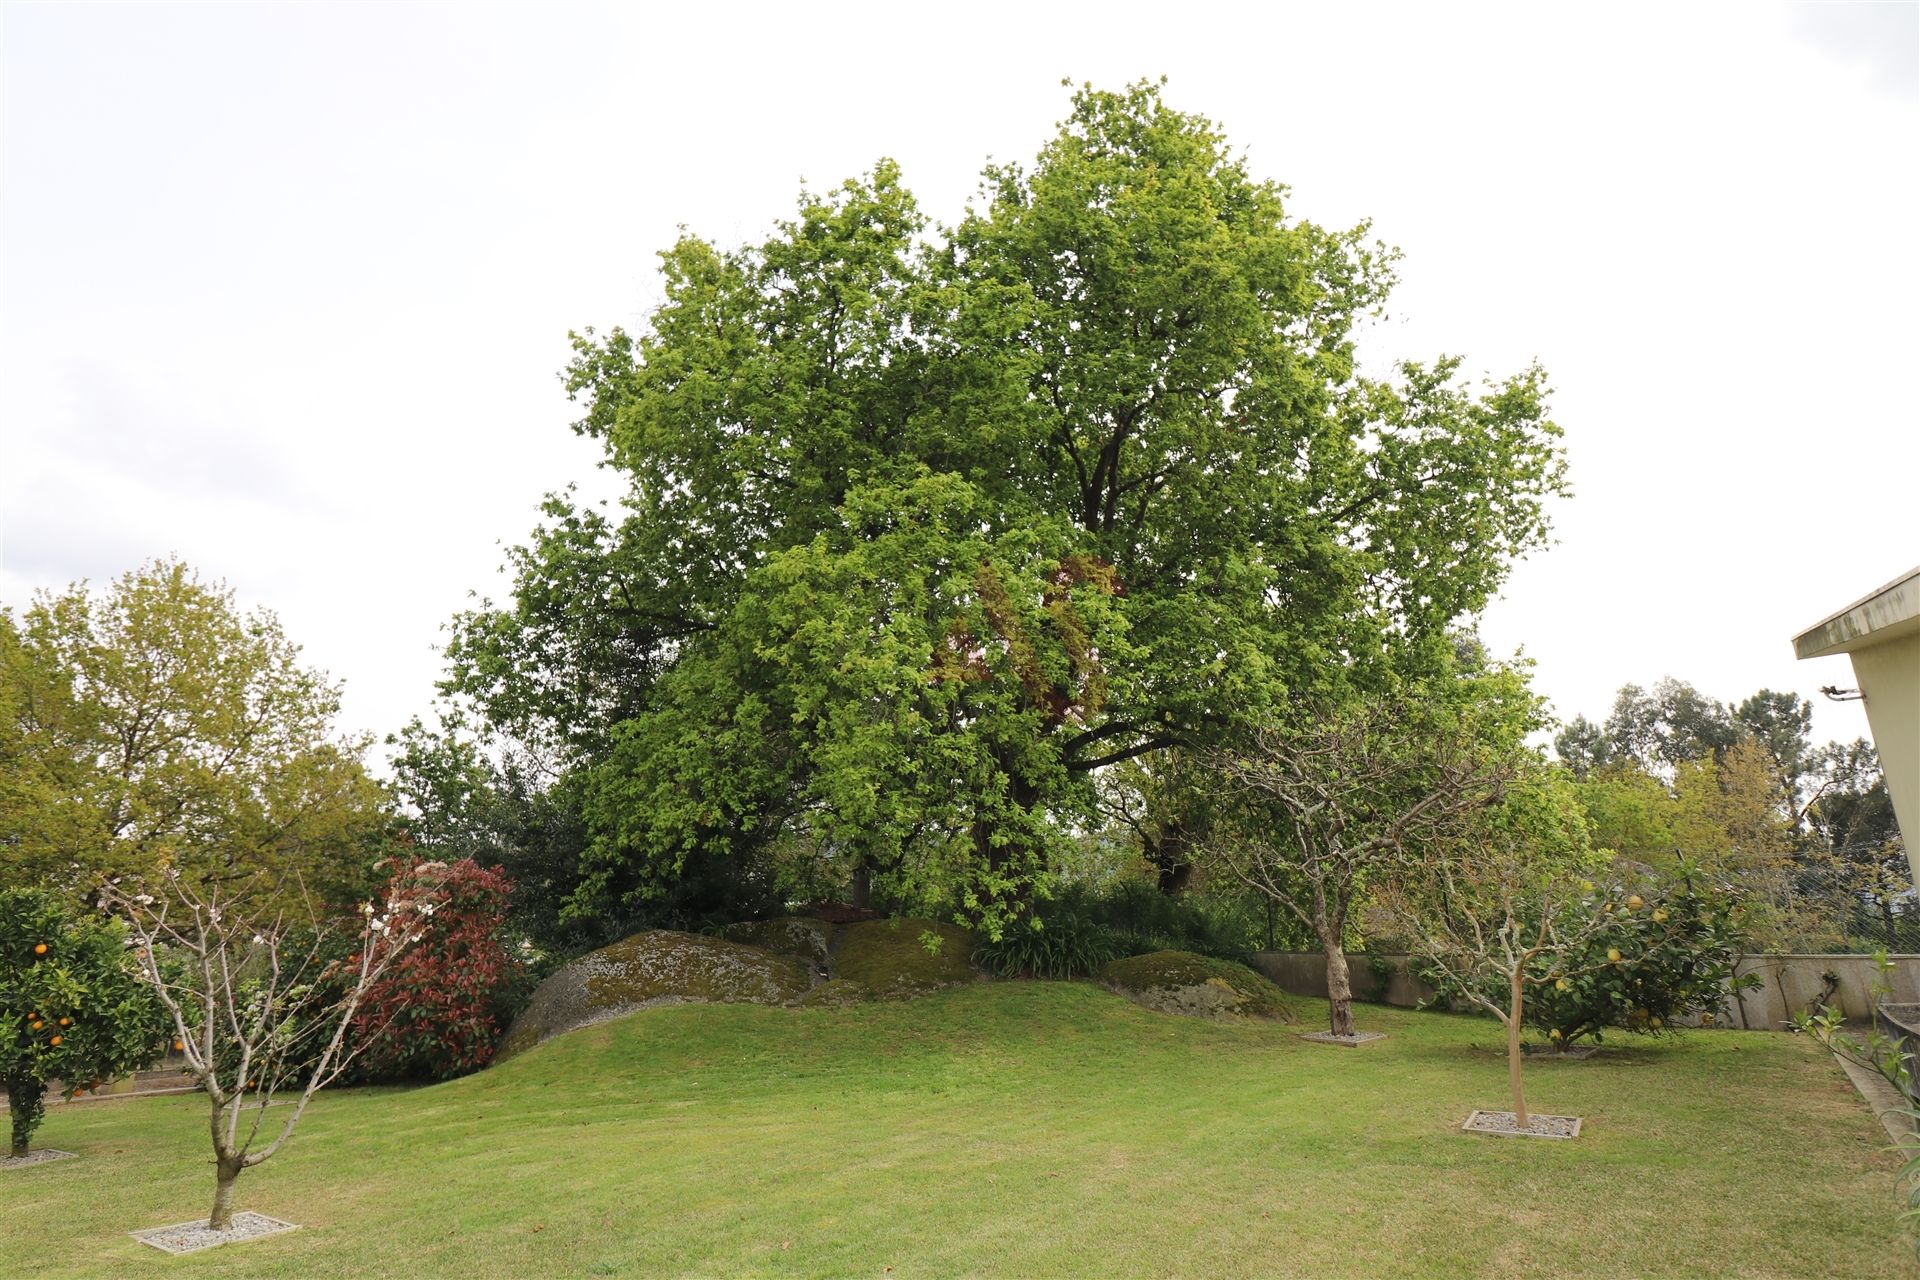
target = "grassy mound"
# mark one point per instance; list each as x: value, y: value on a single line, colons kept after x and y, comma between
x: 890, y: 957
x: 804, y: 939
x: 1197, y: 986
x: 656, y: 967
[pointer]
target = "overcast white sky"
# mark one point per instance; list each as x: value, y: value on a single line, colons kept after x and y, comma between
x: 284, y: 289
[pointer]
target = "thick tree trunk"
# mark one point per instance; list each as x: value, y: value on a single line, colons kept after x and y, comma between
x: 1168, y: 855
x: 1339, y: 984
x: 1174, y: 879
x: 862, y: 890
x: 222, y: 1216
x: 1515, y: 996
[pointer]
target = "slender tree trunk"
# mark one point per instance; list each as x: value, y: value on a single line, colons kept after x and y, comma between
x: 26, y: 1103
x: 222, y: 1216
x: 1339, y: 983
x: 862, y: 890
x: 1515, y: 995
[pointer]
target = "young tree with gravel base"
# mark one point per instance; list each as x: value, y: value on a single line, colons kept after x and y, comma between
x: 72, y: 1007
x: 1506, y: 909
x: 261, y: 1005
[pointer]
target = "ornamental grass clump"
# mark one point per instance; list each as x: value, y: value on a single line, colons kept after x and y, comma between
x: 1061, y: 946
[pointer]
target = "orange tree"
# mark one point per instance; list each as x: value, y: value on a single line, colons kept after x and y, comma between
x: 71, y: 1006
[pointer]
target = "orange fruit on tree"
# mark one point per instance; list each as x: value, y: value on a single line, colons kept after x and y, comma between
x: 54, y: 1041
x: 66, y: 1022
x: 39, y: 948
x: 179, y: 1045
x: 37, y: 1024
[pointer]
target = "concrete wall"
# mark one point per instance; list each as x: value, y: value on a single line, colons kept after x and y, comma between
x: 1304, y: 973
x: 1788, y: 984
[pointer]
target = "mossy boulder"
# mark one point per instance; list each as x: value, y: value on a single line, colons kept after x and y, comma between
x: 804, y: 939
x: 1197, y: 986
x: 654, y: 968
x: 834, y: 993
x: 891, y: 957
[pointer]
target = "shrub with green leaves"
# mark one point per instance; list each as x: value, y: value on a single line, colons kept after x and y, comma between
x: 1064, y: 945
x: 1676, y: 943
x: 72, y: 1008
x: 1665, y: 951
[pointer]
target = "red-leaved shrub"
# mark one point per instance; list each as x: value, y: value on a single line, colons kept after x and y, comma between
x: 433, y: 1014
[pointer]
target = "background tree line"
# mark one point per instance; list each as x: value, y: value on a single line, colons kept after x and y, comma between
x: 1807, y: 831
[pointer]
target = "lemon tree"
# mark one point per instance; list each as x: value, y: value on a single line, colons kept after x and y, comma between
x: 1653, y: 956
x: 72, y: 1008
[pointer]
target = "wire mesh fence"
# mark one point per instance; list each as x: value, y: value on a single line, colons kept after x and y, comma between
x: 1824, y: 903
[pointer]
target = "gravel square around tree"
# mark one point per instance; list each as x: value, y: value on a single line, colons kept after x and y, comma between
x: 1353, y: 1041
x: 45, y: 1155
x: 191, y: 1237
x: 1503, y: 1124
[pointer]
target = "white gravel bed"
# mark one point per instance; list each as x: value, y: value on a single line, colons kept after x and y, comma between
x: 1348, y: 1042
x: 1503, y: 1124
x: 44, y: 1155
x: 191, y: 1237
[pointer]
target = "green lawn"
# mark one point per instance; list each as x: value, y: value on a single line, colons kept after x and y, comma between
x: 1011, y: 1129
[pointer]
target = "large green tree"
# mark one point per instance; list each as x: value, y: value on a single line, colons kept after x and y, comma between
x: 928, y: 525
x: 154, y: 724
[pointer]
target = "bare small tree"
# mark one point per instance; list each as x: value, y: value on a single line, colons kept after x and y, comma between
x: 258, y: 1006
x: 1312, y: 817
x: 1492, y: 920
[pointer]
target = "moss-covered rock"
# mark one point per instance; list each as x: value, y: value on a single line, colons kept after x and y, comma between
x: 891, y: 958
x: 1197, y: 986
x: 653, y: 968
x: 834, y: 993
x: 804, y: 939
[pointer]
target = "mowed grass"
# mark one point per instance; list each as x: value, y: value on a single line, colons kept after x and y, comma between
x: 1010, y: 1129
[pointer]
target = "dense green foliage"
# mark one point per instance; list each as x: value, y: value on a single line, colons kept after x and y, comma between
x: 1805, y: 833
x: 1677, y: 945
x: 1637, y: 955
x: 926, y: 527
x: 71, y: 1006
x: 1058, y: 945
x: 155, y: 725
